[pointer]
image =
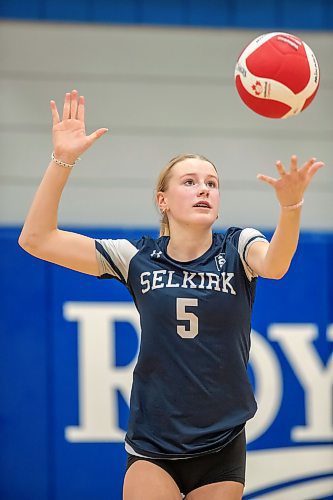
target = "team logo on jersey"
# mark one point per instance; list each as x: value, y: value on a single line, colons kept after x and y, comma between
x: 220, y: 261
x: 156, y: 255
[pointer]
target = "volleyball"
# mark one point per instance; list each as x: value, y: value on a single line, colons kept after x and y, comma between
x: 277, y: 75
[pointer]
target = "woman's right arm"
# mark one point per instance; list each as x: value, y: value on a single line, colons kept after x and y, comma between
x: 40, y: 235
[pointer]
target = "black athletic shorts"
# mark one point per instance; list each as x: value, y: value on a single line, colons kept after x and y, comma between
x: 227, y: 464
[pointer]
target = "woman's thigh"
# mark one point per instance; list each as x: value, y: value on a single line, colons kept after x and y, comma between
x: 147, y: 481
x: 226, y: 490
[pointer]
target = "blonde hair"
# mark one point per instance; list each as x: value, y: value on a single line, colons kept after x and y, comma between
x: 163, y: 182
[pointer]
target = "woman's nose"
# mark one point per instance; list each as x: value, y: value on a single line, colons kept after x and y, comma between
x: 203, y: 189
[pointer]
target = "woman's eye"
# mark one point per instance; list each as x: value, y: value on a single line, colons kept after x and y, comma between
x: 189, y: 182
x: 211, y: 184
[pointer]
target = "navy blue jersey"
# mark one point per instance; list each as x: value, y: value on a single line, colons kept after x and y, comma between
x: 190, y: 389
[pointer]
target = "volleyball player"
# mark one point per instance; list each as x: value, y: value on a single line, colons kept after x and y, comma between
x: 194, y: 290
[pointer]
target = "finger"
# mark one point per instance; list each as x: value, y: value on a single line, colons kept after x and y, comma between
x: 267, y: 179
x: 314, y: 168
x: 307, y: 165
x: 97, y: 134
x: 80, y: 109
x: 66, y: 111
x: 73, y: 104
x: 280, y: 168
x: 293, y: 163
x: 55, y: 114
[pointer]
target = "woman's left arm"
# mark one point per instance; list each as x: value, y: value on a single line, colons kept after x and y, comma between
x: 272, y: 260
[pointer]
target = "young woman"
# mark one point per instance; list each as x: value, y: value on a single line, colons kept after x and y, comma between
x: 194, y: 291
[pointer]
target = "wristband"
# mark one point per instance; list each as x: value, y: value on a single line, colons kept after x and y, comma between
x: 62, y: 163
x: 293, y: 207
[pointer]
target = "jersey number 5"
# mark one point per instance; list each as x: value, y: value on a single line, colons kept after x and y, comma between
x: 183, y: 315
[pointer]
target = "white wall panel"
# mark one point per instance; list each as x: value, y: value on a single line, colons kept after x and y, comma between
x: 134, y: 206
x: 160, y: 92
x: 121, y: 158
x: 159, y: 107
x: 95, y: 50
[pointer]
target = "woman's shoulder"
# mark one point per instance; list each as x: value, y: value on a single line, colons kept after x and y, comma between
x: 236, y: 231
x: 239, y: 236
x: 148, y: 242
x: 228, y: 233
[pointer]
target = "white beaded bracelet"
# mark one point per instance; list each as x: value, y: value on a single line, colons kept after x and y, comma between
x: 62, y: 163
x: 293, y: 207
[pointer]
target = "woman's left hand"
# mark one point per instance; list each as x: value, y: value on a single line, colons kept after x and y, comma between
x: 290, y: 186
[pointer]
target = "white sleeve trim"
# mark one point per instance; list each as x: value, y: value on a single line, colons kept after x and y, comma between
x: 247, y: 237
x: 120, y: 252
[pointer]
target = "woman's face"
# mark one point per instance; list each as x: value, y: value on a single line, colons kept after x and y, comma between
x: 192, y: 196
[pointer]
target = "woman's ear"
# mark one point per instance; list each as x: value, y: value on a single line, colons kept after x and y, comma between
x: 161, y: 201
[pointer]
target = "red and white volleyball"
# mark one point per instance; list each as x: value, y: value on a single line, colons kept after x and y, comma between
x: 277, y: 75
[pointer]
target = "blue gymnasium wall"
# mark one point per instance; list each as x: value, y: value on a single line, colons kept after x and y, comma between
x: 291, y: 14
x: 39, y: 381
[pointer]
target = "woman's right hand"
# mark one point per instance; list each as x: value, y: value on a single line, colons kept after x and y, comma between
x: 69, y: 135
